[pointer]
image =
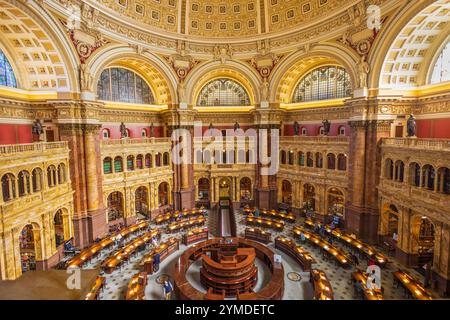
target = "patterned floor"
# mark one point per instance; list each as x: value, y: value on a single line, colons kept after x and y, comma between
x: 297, y: 289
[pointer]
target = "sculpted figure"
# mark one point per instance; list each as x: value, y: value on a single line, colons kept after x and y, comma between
x: 411, y: 126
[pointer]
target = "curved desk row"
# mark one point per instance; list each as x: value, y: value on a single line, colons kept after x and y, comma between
x: 195, y: 235
x: 296, y: 252
x: 414, y: 287
x: 96, y: 288
x: 111, y: 263
x: 258, y: 235
x: 164, y: 250
x: 136, y: 287
x: 185, y: 224
x: 273, y: 214
x: 339, y: 255
x: 369, y: 294
x: 186, y: 214
x: 321, y: 284
x: 185, y: 291
x: 87, y: 254
x: 278, y: 225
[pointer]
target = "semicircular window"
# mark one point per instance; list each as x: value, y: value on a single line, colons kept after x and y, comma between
x: 223, y: 92
x: 7, y: 77
x: 328, y: 82
x: 123, y: 85
x: 441, y: 70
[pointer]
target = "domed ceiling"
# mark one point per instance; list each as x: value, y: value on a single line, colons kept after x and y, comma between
x: 213, y: 19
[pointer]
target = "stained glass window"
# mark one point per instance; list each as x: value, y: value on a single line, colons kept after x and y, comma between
x: 328, y: 82
x: 441, y: 70
x: 7, y: 77
x: 223, y: 92
x: 122, y: 85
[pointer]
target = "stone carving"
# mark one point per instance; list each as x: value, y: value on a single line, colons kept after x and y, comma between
x: 181, y: 92
x: 37, y: 128
x: 123, y: 131
x: 363, y: 70
x: 412, y: 126
x: 326, y: 127
x: 223, y: 53
x: 265, y: 90
x: 85, y: 78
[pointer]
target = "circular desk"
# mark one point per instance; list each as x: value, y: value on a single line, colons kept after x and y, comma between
x: 185, y: 291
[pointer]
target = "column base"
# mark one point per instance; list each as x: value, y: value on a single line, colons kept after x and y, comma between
x: 362, y: 223
x: 187, y: 199
x: 130, y: 220
x: 80, y: 232
x: 97, y: 224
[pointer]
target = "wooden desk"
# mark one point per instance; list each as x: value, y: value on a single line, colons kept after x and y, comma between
x: 370, y: 294
x: 164, y: 250
x: 265, y: 222
x: 186, y: 224
x: 258, y: 235
x: 339, y: 255
x: 136, y: 287
x: 321, y: 284
x: 296, y: 252
x: 416, y: 290
x: 87, y: 254
x: 112, y: 262
x: 96, y: 288
x: 210, y: 295
x: 186, y: 214
x: 273, y: 214
x: 195, y: 235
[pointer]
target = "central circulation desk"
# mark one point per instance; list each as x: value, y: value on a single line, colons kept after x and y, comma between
x: 274, y: 214
x: 258, y: 235
x: 185, y: 224
x: 136, y: 287
x: 278, y: 225
x: 336, y: 253
x: 164, y: 250
x: 321, y: 284
x: 195, y: 235
x: 296, y: 252
x: 369, y: 294
x: 87, y: 254
x: 109, y: 264
x: 413, y: 286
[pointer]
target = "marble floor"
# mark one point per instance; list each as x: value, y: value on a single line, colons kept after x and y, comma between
x: 297, y: 289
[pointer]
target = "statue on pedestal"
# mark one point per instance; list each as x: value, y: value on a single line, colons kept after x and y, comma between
x: 236, y: 126
x: 296, y: 128
x: 37, y: 129
x: 326, y: 127
x: 411, y: 126
x: 123, y: 131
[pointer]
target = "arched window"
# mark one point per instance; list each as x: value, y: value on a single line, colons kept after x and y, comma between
x: 323, y: 83
x: 342, y: 162
x: 123, y: 85
x: 107, y: 165
x: 301, y: 158
x: 399, y: 171
x: 36, y: 179
x: 342, y: 131
x: 331, y: 159
x: 61, y: 173
x: 304, y: 132
x: 158, y: 159
x: 148, y: 160
x: 51, y: 176
x: 309, y: 160
x: 441, y: 69
x: 144, y: 133
x: 7, y: 77
x: 118, y: 164
x: 106, y: 134
x: 58, y: 224
x: 414, y: 174
x: 8, y: 187
x: 130, y: 163
x: 291, y: 157
x: 283, y: 157
x: 24, y: 183
x: 140, y: 161
x: 319, y: 160
x: 166, y: 159
x: 223, y: 92
x: 389, y: 169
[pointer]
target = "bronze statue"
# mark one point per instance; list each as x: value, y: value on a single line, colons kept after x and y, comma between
x: 326, y: 127
x: 411, y: 126
x: 37, y: 129
x: 236, y: 126
x: 123, y: 131
x: 296, y: 128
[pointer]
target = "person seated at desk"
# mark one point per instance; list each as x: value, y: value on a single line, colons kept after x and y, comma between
x: 302, y: 237
x: 168, y: 289
x: 257, y: 213
x: 69, y: 248
x: 155, y: 241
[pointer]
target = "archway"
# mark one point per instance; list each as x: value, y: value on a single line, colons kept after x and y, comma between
x: 224, y: 188
x: 141, y: 201
x: 309, y: 196
x: 28, y: 246
x: 335, y: 200
x: 58, y: 224
x: 203, y: 190
x: 286, y: 192
x: 423, y: 237
x: 115, y: 207
x: 163, y: 194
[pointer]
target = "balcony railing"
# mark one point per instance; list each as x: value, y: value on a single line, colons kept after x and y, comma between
x: 14, y: 149
x: 315, y: 140
x: 129, y: 142
x: 413, y: 143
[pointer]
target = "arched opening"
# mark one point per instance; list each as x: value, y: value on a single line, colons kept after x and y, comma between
x: 414, y: 174
x: 107, y: 165
x: 203, y: 189
x: 283, y: 157
x: 61, y: 173
x: 118, y: 164
x: 163, y: 194
x: 301, y: 159
x: 341, y: 131
x: 8, y: 187
x: 199, y: 156
x: 166, y: 159
x: 428, y: 177
x: 7, y: 77
x: 139, y: 161
x: 106, y: 134
x: 130, y: 163
x: 389, y: 169
x: 423, y: 237
x: 27, y: 245
x: 304, y: 131
x: 58, y: 224
x: 309, y: 160
x: 158, y: 159
x: 286, y: 192
x: 245, y: 186
x: 115, y: 206
x: 335, y: 200
x: 223, y: 92
x: 399, y: 171
x: 36, y: 179
x: 51, y: 176
x: 291, y: 158
x: 342, y: 162
x: 144, y: 133
x: 319, y: 160
x: 224, y: 189
x: 331, y: 161
x: 24, y: 183
x: 141, y: 201
x: 444, y: 180
x: 148, y: 160
x: 309, y: 196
